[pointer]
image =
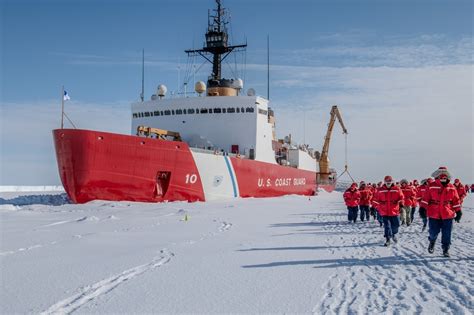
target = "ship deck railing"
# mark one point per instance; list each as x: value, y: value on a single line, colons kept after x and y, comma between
x: 215, y: 152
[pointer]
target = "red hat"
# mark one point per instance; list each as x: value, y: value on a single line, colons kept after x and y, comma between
x: 388, y: 178
x: 456, y: 180
x: 354, y: 185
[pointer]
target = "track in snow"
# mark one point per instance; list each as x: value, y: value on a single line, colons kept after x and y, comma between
x: 91, y: 292
x: 401, y: 279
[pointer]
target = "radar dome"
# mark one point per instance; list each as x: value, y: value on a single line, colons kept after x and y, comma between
x: 200, y: 87
x: 250, y: 92
x: 161, y: 91
x: 238, y: 83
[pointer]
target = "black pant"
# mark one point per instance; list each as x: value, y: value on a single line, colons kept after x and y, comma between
x: 352, y: 214
x: 364, y: 213
x: 412, y: 214
x: 391, y: 224
x: 443, y: 226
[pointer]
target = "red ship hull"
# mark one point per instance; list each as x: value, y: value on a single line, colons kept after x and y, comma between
x: 106, y: 166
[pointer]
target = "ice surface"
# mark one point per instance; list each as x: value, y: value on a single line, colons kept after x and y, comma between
x: 278, y: 255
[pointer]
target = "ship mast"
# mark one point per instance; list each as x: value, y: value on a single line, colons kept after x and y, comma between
x: 216, y: 44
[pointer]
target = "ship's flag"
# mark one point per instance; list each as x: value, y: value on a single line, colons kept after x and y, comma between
x: 66, y: 96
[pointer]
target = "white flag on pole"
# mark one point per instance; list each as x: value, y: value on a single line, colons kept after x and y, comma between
x: 66, y: 96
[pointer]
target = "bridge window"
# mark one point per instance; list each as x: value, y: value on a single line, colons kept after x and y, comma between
x: 242, y: 110
x: 262, y: 111
x: 157, y: 113
x: 191, y: 111
x: 231, y: 110
x: 224, y: 110
x: 179, y: 112
x: 135, y: 115
x: 203, y: 110
x: 161, y: 112
x: 238, y: 110
x: 167, y: 112
x: 184, y: 111
x: 217, y: 111
x: 249, y: 110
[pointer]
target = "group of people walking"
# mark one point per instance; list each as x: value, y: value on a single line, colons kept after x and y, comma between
x: 395, y: 203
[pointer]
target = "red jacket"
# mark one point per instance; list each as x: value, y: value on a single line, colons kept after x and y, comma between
x: 461, y: 191
x: 352, y: 197
x: 417, y: 202
x: 409, y: 194
x: 387, y: 200
x: 441, y: 202
x: 420, y: 193
x: 365, y: 197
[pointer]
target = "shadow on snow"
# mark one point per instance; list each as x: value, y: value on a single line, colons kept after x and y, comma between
x: 349, y: 262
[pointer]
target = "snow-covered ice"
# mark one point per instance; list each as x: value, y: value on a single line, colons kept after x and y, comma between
x: 279, y: 255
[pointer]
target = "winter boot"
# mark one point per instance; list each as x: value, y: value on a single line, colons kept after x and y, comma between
x: 445, y: 251
x: 431, y: 247
x: 394, y: 238
x: 387, y: 242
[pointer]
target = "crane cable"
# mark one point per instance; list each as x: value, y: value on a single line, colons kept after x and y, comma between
x: 346, y: 170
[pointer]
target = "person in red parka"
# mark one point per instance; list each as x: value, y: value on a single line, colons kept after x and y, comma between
x: 365, y: 199
x: 409, y: 200
x: 373, y: 211
x: 460, y: 189
x: 352, y: 199
x: 422, y: 211
x: 442, y: 202
x: 388, y: 199
x: 415, y: 186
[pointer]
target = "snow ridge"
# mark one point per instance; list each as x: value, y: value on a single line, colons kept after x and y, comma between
x: 93, y: 291
x: 44, y: 199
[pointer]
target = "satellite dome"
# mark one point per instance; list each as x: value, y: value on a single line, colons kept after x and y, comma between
x: 200, y: 87
x: 238, y: 83
x: 250, y: 92
x: 161, y: 91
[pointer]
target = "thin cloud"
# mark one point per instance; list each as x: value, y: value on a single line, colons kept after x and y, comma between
x: 340, y: 50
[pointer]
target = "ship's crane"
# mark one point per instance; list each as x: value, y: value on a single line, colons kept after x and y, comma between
x: 158, y: 133
x: 325, y: 173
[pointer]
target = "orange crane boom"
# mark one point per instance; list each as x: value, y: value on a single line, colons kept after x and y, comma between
x: 324, y: 170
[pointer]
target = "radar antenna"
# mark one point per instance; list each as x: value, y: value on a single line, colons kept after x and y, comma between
x: 216, y: 43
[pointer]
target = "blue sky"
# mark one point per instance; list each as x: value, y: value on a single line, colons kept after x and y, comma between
x: 386, y: 63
